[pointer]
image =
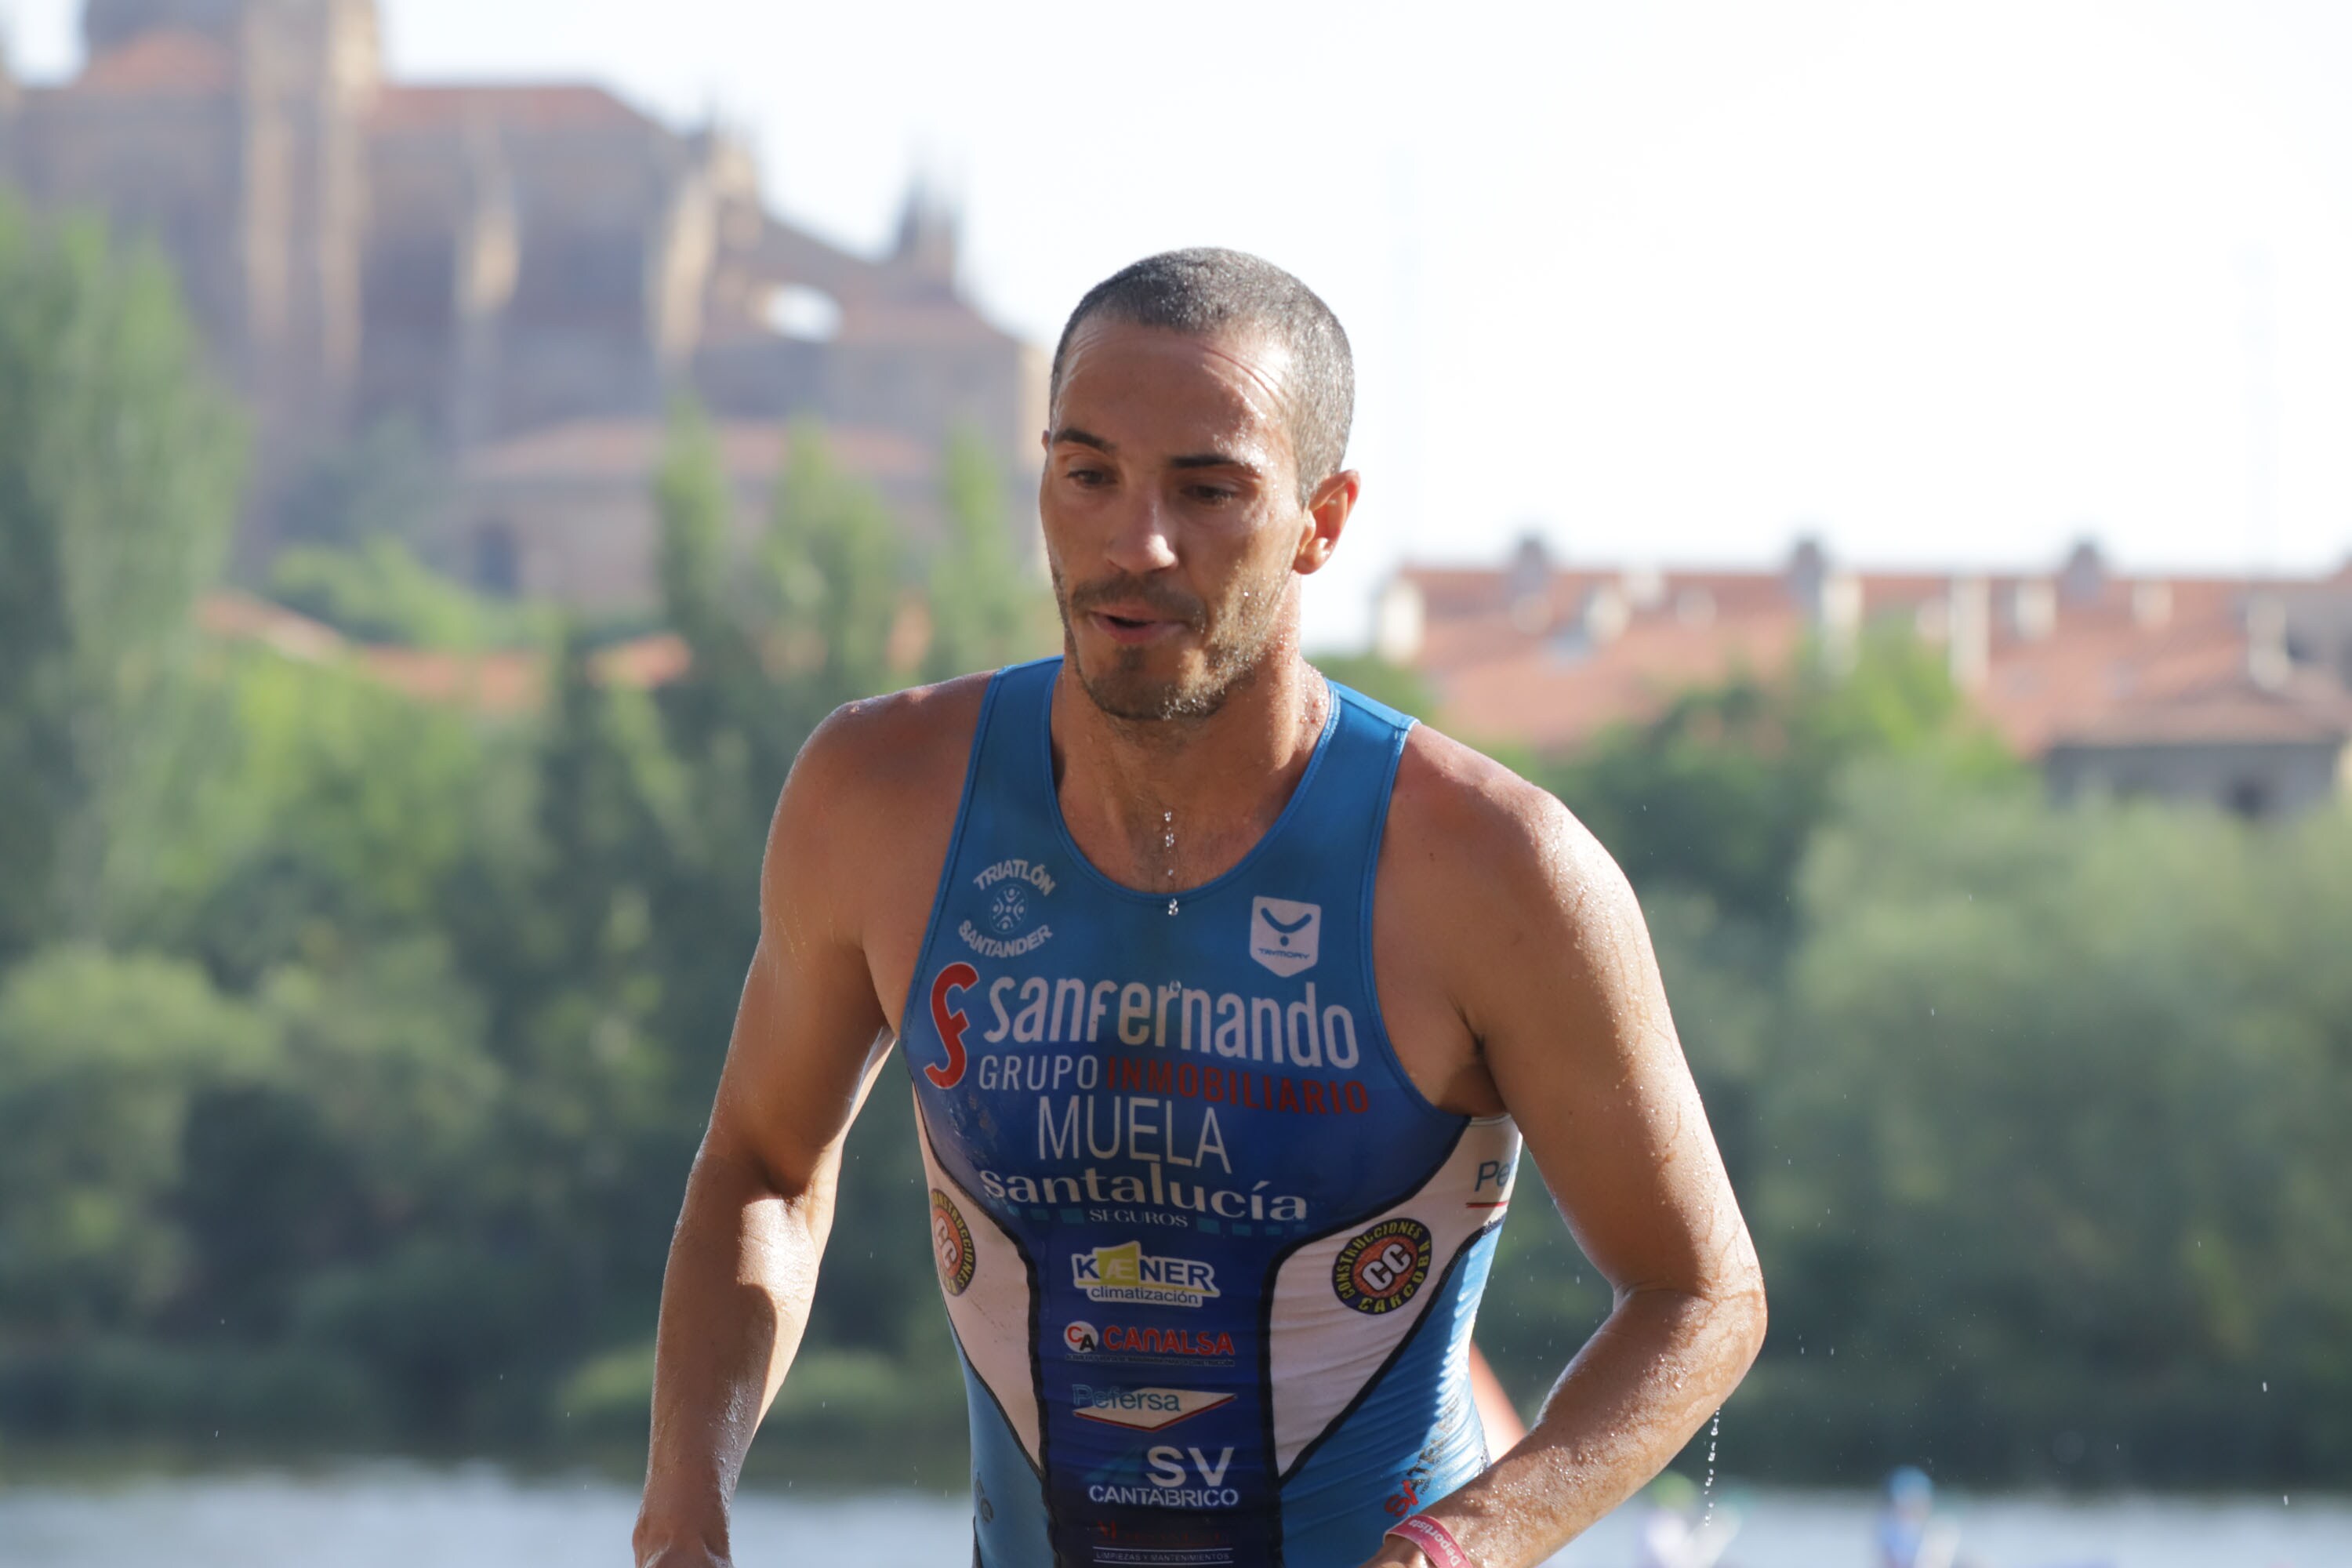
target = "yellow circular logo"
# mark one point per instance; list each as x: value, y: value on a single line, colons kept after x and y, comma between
x: 1384, y: 1268
x: 951, y: 1243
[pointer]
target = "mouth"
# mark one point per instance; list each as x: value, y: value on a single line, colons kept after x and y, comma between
x: 1133, y: 627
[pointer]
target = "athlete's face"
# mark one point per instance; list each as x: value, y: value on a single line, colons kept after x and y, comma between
x: 1172, y: 517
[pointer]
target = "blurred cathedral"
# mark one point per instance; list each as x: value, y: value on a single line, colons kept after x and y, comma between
x: 525, y: 275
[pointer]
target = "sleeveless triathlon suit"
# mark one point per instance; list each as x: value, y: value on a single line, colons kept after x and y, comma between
x: 1210, y: 1257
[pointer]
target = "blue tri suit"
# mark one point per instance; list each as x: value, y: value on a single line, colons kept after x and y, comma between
x: 1211, y: 1259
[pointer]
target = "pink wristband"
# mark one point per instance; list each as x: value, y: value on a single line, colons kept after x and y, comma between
x: 1436, y: 1543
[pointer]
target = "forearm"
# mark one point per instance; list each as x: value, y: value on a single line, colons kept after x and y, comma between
x: 735, y: 1297
x: 1649, y: 1378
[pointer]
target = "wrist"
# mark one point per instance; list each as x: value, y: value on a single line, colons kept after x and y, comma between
x: 1425, y: 1543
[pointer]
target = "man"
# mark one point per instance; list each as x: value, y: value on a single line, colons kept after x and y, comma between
x: 1227, y: 997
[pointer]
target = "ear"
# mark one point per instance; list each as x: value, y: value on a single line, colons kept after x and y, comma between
x: 1328, y: 511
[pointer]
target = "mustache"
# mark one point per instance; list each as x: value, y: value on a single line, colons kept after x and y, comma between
x: 1126, y: 588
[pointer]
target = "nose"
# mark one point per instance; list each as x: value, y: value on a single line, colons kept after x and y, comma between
x: 1141, y: 538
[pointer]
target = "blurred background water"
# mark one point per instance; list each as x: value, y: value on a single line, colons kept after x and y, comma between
x: 391, y: 1517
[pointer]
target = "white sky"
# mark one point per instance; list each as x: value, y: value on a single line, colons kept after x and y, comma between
x: 1946, y: 283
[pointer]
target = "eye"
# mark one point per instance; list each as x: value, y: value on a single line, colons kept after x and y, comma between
x: 1211, y: 495
x: 1086, y: 475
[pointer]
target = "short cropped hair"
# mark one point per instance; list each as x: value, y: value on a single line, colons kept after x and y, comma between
x: 1205, y: 291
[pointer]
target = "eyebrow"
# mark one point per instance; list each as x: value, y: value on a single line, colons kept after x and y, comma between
x: 1078, y: 437
x: 1071, y: 433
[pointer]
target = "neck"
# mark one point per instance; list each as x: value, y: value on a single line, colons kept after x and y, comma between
x: 1168, y: 804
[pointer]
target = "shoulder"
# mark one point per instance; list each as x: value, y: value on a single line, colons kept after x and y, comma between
x: 1490, y: 854
x: 876, y: 782
x: 888, y: 747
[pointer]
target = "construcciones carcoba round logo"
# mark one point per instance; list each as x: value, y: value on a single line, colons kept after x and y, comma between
x: 1384, y: 1268
x: 951, y: 1243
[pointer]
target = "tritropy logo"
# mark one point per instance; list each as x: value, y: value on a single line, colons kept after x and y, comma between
x: 1285, y: 937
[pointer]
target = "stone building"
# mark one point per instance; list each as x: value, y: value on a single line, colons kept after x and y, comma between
x: 493, y: 263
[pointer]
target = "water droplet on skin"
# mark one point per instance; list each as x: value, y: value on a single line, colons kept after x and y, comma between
x: 1171, y: 903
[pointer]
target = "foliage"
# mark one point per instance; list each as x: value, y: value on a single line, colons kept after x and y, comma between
x: 1722, y: 792
x: 987, y: 610
x: 384, y: 486
x: 1377, y: 678
x: 377, y: 591
x: 119, y: 468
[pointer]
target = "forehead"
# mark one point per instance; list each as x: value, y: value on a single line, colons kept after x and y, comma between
x: 1154, y: 390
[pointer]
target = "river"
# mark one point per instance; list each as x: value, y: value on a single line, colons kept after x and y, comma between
x: 482, y: 1516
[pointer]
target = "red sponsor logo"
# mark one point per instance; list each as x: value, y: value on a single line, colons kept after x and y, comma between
x: 950, y: 1022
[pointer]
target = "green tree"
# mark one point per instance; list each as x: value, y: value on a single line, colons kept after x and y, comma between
x: 987, y: 609
x: 377, y: 591
x: 831, y: 579
x: 383, y: 484
x: 1722, y: 792
x: 118, y: 472
x: 99, y: 1060
x: 1400, y: 688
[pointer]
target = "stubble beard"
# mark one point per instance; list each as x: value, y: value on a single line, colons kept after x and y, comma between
x: 1236, y: 643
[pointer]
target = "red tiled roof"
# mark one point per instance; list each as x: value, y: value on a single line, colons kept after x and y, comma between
x: 1554, y: 697
x: 536, y: 106
x: 167, y: 61
x: 1505, y: 652
x: 605, y: 451
x: 2305, y: 707
x: 499, y: 681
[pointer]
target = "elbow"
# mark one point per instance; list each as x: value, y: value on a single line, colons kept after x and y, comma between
x: 1745, y: 1314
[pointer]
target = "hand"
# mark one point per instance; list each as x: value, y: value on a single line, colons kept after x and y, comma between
x: 683, y: 1557
x: 1395, y: 1554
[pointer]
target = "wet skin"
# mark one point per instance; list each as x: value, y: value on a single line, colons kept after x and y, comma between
x: 1513, y: 969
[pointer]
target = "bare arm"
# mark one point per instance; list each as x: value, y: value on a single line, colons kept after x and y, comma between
x: 809, y: 1036
x: 1561, y: 988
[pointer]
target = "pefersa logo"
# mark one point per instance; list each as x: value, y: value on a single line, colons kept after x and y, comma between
x: 1142, y: 1409
x: 951, y: 1244
x: 1384, y: 1268
x: 1126, y: 1273
x: 1285, y: 937
x: 1010, y: 889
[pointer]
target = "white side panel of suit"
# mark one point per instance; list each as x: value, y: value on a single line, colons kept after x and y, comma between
x: 991, y: 1314
x: 1324, y: 1351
